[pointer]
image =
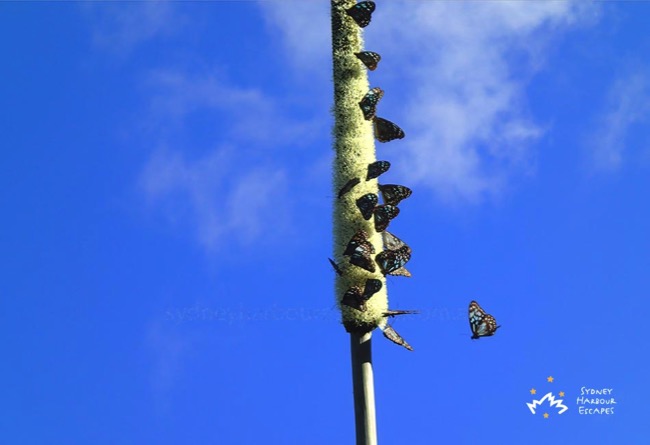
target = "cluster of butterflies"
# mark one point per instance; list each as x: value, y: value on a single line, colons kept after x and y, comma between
x: 396, y: 253
x: 384, y: 130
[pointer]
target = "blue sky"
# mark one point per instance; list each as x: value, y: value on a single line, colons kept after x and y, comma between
x: 166, y: 199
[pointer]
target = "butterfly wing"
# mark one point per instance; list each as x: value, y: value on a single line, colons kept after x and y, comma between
x: 369, y: 102
x: 367, y: 204
x: 400, y: 272
x: 481, y: 323
x: 359, y: 243
x: 348, y: 186
x: 383, y: 215
x: 336, y: 267
x: 376, y: 169
x: 362, y: 13
x: 360, y: 249
x: 391, y: 260
x: 386, y: 131
x: 393, y: 194
x: 354, y: 298
x: 391, y: 242
x: 369, y: 59
x: 373, y: 286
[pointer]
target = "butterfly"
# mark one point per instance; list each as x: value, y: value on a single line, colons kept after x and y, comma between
x: 367, y: 204
x: 348, y: 186
x: 482, y: 324
x: 369, y: 102
x: 393, y: 194
x: 376, y: 169
x: 354, y: 298
x: 359, y: 250
x: 362, y: 13
x: 386, y: 131
x: 336, y: 267
x: 391, y: 260
x: 393, y: 336
x: 373, y: 286
x: 369, y: 59
x: 391, y: 242
x: 383, y: 215
x: 393, y: 313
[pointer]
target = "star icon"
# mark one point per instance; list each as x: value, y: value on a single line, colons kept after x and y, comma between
x: 546, y: 415
x: 561, y: 393
x: 533, y: 391
x: 549, y: 379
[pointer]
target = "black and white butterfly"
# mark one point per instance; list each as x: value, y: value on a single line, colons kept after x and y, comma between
x: 393, y: 194
x: 482, y: 324
x: 366, y: 204
x: 369, y: 59
x: 354, y: 298
x: 360, y: 249
x: 369, y: 102
x: 391, y: 260
x: 362, y: 13
x: 386, y: 131
x: 391, y: 242
x: 372, y: 286
x: 348, y: 186
x: 376, y: 169
x: 393, y: 336
x: 383, y: 215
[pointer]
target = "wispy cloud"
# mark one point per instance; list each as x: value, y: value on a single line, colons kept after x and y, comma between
x: 462, y: 69
x: 628, y: 103
x: 248, y: 114
x: 121, y: 27
x: 219, y: 198
x: 167, y: 350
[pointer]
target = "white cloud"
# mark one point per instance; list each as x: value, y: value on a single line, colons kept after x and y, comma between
x: 121, y: 27
x: 228, y: 194
x: 305, y: 28
x: 627, y: 104
x: 249, y: 115
x: 221, y: 199
x: 462, y: 68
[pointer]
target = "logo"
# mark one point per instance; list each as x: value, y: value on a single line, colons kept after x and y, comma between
x: 591, y: 401
x: 596, y: 401
x: 548, y: 403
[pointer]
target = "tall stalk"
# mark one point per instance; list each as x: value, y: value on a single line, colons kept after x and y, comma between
x: 354, y: 148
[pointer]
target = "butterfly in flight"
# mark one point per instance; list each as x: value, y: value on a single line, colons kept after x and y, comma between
x: 376, y: 169
x: 393, y: 194
x: 391, y: 260
x: 482, y: 324
x: 367, y: 204
x: 369, y: 102
x: 362, y: 13
x: 348, y: 186
x: 369, y: 59
x: 359, y: 250
x: 383, y: 215
x: 386, y: 131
